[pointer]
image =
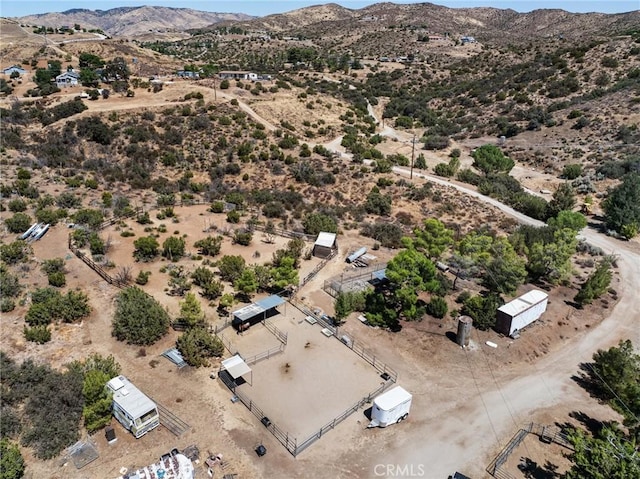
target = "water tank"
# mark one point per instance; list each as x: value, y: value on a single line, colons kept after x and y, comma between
x: 464, y: 330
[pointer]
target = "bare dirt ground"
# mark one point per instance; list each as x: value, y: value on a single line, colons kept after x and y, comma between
x: 314, y: 380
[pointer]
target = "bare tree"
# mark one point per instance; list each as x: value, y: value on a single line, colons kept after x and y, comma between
x: 123, y: 275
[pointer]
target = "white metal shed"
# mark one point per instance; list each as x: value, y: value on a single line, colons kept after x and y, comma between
x: 522, y: 311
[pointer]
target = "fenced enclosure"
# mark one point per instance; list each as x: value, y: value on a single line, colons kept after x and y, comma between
x: 317, y: 269
x: 283, y: 437
x: 353, y: 281
x: 546, y: 434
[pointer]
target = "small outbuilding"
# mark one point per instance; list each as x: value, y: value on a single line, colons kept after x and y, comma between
x: 253, y: 313
x: 522, y: 311
x: 236, y: 368
x: 326, y: 243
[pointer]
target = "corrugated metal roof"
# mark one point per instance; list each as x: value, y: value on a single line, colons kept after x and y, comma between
x: 236, y: 366
x: 258, y: 307
x: 380, y: 275
x: 524, y: 302
x: 328, y: 240
x: 175, y: 357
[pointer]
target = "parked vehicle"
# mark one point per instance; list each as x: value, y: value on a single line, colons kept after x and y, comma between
x: 133, y: 409
x: 390, y: 407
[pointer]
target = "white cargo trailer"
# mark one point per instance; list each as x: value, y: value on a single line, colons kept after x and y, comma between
x: 522, y: 311
x: 390, y: 407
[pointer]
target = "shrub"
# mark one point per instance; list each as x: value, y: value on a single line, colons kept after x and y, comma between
x: 197, y: 345
x: 16, y: 252
x: 9, y: 284
x: 143, y: 277
x: 233, y: 217
x: 209, y: 246
x: 7, y: 305
x: 11, y: 461
x: 38, y: 334
x: 139, y: 318
x: 18, y: 205
x: 146, y: 248
x: 437, y: 307
x: 571, y: 171
x: 57, y: 279
x: 19, y: 223
x: 173, y: 248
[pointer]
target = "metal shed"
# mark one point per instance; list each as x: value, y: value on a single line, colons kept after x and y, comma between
x: 325, y: 244
x: 253, y: 313
x: 236, y: 368
x: 522, y: 311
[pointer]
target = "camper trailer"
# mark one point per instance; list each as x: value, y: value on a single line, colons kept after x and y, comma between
x: 390, y: 407
x: 135, y: 411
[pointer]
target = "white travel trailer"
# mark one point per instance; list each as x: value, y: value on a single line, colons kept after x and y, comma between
x: 390, y: 407
x: 135, y: 411
x: 522, y: 311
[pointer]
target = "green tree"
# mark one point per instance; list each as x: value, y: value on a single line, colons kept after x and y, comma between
x: 377, y: 203
x: 437, y: 307
x: 231, y: 267
x: 191, y: 311
x: 596, y: 284
x: 314, y: 223
x: 564, y: 199
x: 348, y: 302
x: 197, y: 345
x: 608, y: 455
x: 89, y: 78
x: 116, y: 70
x: 173, y: 248
x: 246, y: 284
x: 552, y: 260
x: 614, y: 376
x: 209, y: 246
x: 285, y: 273
x: 505, y: 271
x: 568, y: 219
x: 146, y: 248
x: 622, y: 206
x: 139, y: 318
x: 482, y: 309
x: 409, y: 273
x: 433, y: 238
x: 11, y: 461
x: 490, y: 159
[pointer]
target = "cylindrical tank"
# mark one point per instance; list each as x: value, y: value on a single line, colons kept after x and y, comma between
x: 464, y: 330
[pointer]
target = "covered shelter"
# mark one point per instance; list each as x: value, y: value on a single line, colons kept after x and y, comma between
x: 325, y: 244
x: 253, y: 313
x: 236, y: 368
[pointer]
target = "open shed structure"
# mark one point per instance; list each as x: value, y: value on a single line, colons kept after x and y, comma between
x: 247, y: 316
x: 236, y: 368
x: 325, y: 244
x: 522, y: 311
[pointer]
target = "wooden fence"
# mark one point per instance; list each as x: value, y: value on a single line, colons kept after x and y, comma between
x: 96, y: 267
x: 318, y: 267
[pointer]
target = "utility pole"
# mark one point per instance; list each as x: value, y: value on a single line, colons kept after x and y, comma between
x: 413, y: 153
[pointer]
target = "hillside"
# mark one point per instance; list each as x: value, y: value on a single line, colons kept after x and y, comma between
x: 131, y: 21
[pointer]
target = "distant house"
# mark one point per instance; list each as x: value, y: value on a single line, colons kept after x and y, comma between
x: 15, y: 68
x: 187, y: 74
x: 436, y: 38
x: 238, y: 75
x: 67, y: 79
x: 325, y: 244
x: 467, y: 40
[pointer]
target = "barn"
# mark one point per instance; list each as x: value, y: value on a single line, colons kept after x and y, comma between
x: 325, y: 244
x: 253, y: 313
x: 522, y: 311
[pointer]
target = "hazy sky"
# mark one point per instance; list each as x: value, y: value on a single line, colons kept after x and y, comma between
x: 16, y: 8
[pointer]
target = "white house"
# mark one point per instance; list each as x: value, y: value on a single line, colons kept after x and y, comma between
x: 238, y: 75
x: 67, y: 79
x: 13, y: 69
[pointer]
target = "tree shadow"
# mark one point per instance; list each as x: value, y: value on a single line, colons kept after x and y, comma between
x: 532, y: 470
x: 586, y: 379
